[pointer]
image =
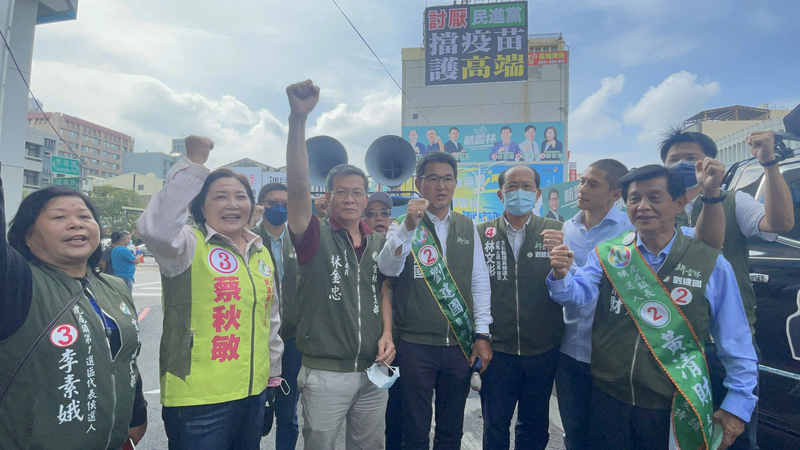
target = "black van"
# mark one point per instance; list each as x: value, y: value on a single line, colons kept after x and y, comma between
x: 775, y: 274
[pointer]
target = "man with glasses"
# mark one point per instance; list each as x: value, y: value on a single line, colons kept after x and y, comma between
x: 342, y: 328
x: 272, y: 229
x: 527, y: 326
x: 378, y: 214
x: 442, y: 305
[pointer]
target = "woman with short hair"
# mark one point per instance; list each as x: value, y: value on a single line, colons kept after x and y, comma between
x: 220, y: 348
x: 69, y: 337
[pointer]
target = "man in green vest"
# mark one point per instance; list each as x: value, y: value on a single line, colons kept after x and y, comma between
x: 651, y: 379
x: 442, y: 305
x: 342, y: 329
x: 273, y: 199
x: 744, y: 217
x: 526, y: 325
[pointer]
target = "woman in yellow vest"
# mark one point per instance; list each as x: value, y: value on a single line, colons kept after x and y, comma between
x: 220, y: 343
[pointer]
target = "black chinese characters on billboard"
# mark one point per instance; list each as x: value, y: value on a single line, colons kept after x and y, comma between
x: 476, y: 43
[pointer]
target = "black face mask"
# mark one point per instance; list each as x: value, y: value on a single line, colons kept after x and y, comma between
x: 276, y: 215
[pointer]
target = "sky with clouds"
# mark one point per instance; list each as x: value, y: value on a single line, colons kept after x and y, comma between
x: 158, y: 70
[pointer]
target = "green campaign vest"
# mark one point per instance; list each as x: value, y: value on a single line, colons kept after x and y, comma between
x: 70, y: 395
x: 418, y: 317
x: 287, y: 288
x: 215, y: 346
x: 338, y: 304
x: 622, y: 365
x: 735, y: 249
x: 525, y: 321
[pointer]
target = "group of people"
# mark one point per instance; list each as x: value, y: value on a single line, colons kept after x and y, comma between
x: 377, y: 323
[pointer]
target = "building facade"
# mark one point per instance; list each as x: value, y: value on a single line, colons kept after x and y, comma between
x: 144, y: 185
x: 147, y: 162
x: 18, y: 20
x: 39, y: 146
x: 489, y: 126
x: 101, y: 149
x: 179, y: 147
x: 729, y: 127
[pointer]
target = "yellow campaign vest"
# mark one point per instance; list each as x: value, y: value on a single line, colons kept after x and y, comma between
x: 230, y: 312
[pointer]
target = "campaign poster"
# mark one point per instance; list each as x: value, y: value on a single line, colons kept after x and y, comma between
x: 500, y: 142
x: 476, y: 191
x: 253, y: 175
x: 476, y: 43
x: 560, y: 201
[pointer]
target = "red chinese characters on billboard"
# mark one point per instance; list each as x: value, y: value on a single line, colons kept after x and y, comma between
x: 546, y: 58
x: 573, y: 171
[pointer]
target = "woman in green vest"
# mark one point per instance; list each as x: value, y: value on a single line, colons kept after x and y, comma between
x: 220, y: 347
x: 69, y: 337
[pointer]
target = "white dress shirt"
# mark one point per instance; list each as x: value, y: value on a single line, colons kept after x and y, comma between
x: 392, y: 265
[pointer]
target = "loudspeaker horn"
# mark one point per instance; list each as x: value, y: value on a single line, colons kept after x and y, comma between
x: 390, y: 160
x: 324, y: 153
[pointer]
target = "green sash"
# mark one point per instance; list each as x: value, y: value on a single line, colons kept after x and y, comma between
x: 437, y: 276
x: 668, y: 335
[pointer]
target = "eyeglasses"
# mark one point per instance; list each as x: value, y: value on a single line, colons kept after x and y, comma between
x: 273, y: 203
x: 385, y: 214
x: 342, y: 194
x: 448, y: 181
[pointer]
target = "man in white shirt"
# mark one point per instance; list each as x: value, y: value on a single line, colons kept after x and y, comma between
x: 434, y: 350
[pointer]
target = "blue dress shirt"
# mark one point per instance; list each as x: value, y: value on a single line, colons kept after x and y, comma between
x: 577, y: 340
x: 728, y: 327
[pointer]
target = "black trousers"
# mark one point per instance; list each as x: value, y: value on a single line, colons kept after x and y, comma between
x: 616, y: 425
x: 524, y: 383
x: 425, y: 369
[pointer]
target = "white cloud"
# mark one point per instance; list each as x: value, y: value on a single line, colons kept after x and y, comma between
x: 589, y: 120
x: 677, y: 98
x: 641, y: 46
x: 153, y: 113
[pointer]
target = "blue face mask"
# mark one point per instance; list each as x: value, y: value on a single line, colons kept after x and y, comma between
x: 276, y: 215
x: 519, y: 202
x: 687, y: 171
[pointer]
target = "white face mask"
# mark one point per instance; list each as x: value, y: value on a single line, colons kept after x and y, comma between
x: 378, y: 373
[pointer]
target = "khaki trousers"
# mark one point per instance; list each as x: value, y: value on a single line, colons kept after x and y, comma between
x: 328, y: 398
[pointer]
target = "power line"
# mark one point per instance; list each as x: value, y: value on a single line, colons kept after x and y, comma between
x: 38, y: 105
x: 381, y: 63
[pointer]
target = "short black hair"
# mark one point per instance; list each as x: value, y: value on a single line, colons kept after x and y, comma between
x: 676, y: 186
x: 505, y: 127
x: 116, y: 236
x: 451, y: 129
x: 555, y: 133
x: 529, y: 127
x: 614, y: 171
x: 269, y: 187
x: 30, y: 209
x: 501, y: 180
x: 343, y: 170
x: 436, y: 157
x: 196, y: 206
x: 550, y: 192
x: 676, y: 135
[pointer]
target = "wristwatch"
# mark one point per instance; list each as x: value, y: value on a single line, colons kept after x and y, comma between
x: 485, y: 337
x: 714, y: 200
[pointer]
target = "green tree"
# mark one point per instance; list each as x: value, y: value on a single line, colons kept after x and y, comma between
x: 109, y: 201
